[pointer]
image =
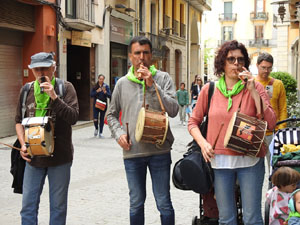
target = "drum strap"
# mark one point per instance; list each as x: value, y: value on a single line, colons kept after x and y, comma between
x: 158, y: 96
x: 261, y: 115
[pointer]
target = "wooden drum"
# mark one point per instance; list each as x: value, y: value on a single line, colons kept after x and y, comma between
x: 151, y: 127
x: 39, y: 136
x: 245, y: 134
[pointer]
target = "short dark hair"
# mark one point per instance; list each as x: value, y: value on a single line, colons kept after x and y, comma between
x: 101, y: 75
x: 182, y: 84
x: 265, y: 57
x: 142, y: 40
x: 285, y: 176
x: 220, y: 59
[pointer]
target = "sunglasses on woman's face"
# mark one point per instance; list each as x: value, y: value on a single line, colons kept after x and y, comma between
x: 232, y: 60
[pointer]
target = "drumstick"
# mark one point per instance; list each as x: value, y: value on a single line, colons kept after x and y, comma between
x: 127, y: 130
x: 214, y: 145
x: 11, y: 146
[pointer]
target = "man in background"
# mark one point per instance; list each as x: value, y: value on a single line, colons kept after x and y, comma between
x: 275, y: 90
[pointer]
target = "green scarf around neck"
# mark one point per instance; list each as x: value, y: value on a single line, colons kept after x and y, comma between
x: 293, y: 214
x: 237, y: 88
x: 41, y: 100
x: 130, y: 75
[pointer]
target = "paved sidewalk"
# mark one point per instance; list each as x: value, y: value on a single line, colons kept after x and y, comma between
x: 98, y: 191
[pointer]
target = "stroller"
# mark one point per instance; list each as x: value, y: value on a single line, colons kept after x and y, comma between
x: 289, y: 135
x: 201, y: 221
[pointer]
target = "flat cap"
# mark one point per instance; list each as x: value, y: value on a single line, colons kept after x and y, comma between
x: 41, y: 59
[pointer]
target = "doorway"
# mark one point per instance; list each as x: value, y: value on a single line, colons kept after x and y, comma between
x: 78, y: 73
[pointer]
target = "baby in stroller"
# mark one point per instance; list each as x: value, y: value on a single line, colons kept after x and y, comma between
x: 285, y: 172
x: 294, y: 206
x: 285, y: 181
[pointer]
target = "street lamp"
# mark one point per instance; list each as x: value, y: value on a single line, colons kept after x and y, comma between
x: 281, y: 8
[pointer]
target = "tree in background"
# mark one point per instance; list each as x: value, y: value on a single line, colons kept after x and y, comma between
x: 290, y: 85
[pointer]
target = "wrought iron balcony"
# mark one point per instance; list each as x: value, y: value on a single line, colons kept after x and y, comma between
x: 259, y: 16
x: 259, y: 43
x: 227, y: 17
x: 156, y: 40
x: 175, y: 25
x: 82, y: 15
x: 166, y: 22
x: 182, y: 30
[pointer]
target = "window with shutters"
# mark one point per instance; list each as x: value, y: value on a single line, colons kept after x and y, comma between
x: 259, y: 32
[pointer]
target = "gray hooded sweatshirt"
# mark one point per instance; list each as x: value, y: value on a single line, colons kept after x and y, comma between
x: 128, y: 96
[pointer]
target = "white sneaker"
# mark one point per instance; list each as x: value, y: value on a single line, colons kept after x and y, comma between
x: 95, y: 132
x: 101, y: 135
x: 183, y: 123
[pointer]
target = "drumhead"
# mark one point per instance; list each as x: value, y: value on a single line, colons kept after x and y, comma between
x: 229, y: 129
x: 166, y: 131
x: 139, y: 129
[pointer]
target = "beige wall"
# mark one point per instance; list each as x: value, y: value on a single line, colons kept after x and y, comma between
x: 243, y: 27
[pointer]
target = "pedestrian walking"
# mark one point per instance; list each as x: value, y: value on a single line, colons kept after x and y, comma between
x: 183, y: 101
x: 42, y: 100
x: 196, y: 88
x: 276, y: 92
x: 128, y: 96
x: 233, y: 92
x: 100, y: 92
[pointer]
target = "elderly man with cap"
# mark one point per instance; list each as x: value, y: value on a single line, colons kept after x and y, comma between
x: 43, y: 100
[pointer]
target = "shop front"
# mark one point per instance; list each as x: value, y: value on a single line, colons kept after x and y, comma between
x: 120, y: 35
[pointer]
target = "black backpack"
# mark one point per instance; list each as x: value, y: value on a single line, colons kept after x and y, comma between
x: 192, y: 172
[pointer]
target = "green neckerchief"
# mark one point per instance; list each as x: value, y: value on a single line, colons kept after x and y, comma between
x: 293, y: 214
x: 41, y: 100
x: 237, y: 88
x: 130, y: 75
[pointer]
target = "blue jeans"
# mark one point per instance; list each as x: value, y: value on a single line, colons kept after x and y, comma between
x: 136, y: 171
x: 96, y: 116
x: 250, y: 180
x: 34, y: 179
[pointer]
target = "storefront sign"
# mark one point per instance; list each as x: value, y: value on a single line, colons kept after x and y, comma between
x: 120, y: 31
x: 82, y: 38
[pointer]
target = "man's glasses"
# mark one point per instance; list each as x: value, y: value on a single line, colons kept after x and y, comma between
x: 232, y: 60
x: 268, y: 69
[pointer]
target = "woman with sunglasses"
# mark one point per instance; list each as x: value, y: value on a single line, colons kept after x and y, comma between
x: 235, y: 89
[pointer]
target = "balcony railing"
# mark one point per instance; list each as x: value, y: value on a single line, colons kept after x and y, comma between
x: 259, y: 16
x: 166, y: 22
x: 84, y: 16
x: 259, y: 43
x: 227, y: 17
x: 156, y: 40
x: 182, y: 30
x: 175, y: 25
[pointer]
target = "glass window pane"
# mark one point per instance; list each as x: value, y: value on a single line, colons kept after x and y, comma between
x: 259, y: 6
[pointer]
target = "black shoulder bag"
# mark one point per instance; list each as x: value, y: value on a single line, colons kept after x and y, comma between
x: 192, y: 172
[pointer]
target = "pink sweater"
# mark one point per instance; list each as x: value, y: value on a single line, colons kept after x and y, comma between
x: 218, y: 113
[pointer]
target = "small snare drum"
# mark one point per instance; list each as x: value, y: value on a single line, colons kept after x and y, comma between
x: 245, y: 134
x: 39, y: 137
x: 152, y: 126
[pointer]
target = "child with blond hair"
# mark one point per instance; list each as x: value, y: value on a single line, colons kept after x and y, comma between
x: 285, y: 181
